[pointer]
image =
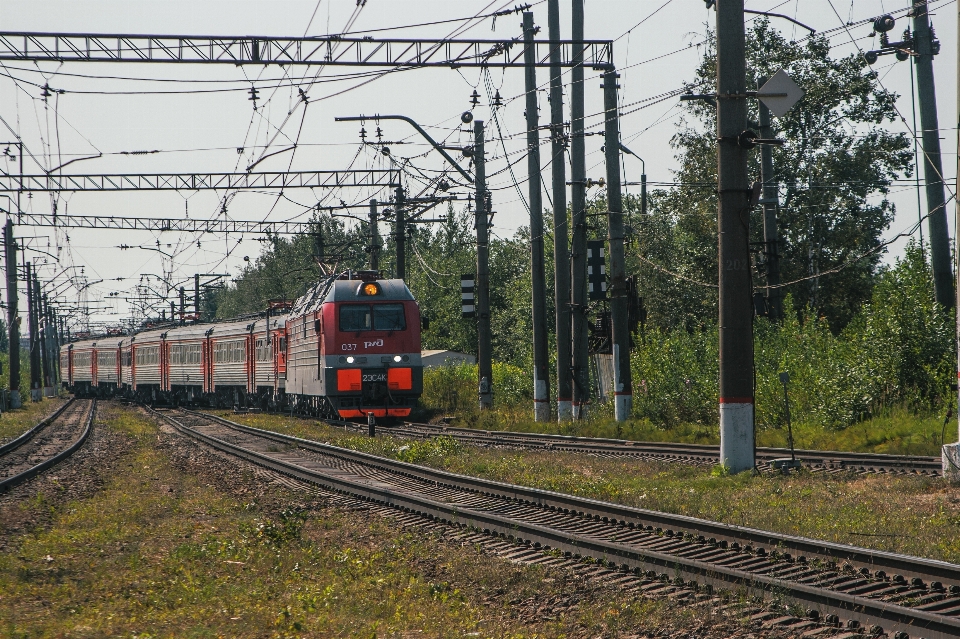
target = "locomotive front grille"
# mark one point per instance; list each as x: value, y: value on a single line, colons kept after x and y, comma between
x: 374, y: 386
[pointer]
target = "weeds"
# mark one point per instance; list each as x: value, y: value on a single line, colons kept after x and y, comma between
x: 138, y: 560
x: 889, y: 371
x: 14, y: 423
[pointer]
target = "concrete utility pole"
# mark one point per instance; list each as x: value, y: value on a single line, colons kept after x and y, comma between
x: 736, y: 309
x: 923, y: 46
x: 44, y: 323
x: 54, y: 336
x: 561, y: 254
x: 400, y: 230
x: 619, y: 303
x: 482, y: 290
x: 541, y: 360
x: 374, y: 237
x: 578, y: 205
x: 196, y: 296
x: 771, y: 239
x: 956, y: 222
x: 35, y: 372
x: 13, y: 318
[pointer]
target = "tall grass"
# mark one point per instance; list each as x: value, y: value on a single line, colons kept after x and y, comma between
x: 454, y: 388
x: 897, y: 353
x: 891, y: 368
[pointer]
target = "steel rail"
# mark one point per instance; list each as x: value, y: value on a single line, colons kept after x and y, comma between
x: 816, y: 460
x: 27, y: 436
x: 689, y: 452
x: 620, y: 523
x: 16, y: 480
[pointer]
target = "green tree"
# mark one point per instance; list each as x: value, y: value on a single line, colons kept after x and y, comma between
x: 834, y: 174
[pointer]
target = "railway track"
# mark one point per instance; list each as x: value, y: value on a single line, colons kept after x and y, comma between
x: 843, y: 588
x: 818, y: 461
x: 46, y: 444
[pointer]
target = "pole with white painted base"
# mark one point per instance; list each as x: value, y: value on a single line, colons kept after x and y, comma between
x: 561, y: 253
x: 736, y: 309
x: 951, y: 452
x: 619, y: 310
x: 541, y: 359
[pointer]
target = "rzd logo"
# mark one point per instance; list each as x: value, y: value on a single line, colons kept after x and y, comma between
x: 378, y: 342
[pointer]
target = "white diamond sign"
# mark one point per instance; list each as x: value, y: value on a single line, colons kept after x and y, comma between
x: 780, y: 93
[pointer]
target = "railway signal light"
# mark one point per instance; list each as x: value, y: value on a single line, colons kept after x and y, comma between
x: 596, y: 270
x: 467, y: 301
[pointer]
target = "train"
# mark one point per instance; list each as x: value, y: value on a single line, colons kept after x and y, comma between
x: 347, y: 349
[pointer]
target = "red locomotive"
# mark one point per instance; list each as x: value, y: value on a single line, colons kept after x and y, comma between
x: 347, y: 348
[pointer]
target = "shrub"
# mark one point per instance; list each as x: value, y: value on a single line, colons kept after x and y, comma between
x: 898, y: 351
x: 454, y: 388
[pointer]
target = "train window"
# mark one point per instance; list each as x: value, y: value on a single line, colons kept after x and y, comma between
x: 185, y: 354
x: 229, y: 352
x: 355, y: 317
x: 388, y: 317
x: 384, y: 317
x: 147, y: 355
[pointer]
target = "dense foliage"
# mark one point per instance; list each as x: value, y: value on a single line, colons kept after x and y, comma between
x: 834, y: 173
x: 897, y: 351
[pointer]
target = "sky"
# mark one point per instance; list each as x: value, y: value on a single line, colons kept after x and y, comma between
x: 199, y: 117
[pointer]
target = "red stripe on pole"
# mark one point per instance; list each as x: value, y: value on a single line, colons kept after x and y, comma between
x: 736, y: 400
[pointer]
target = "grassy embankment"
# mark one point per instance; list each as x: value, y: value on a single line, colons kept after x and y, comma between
x: 451, y: 391
x: 14, y: 423
x: 912, y: 515
x: 898, y: 433
x: 163, y: 552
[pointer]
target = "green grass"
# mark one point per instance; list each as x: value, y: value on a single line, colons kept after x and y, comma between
x: 908, y: 514
x: 14, y: 423
x: 898, y: 432
x: 162, y: 552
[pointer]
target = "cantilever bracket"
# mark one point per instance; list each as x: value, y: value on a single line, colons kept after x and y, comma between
x: 433, y: 143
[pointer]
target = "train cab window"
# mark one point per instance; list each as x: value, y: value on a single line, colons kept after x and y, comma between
x: 388, y: 317
x: 379, y: 317
x: 355, y: 317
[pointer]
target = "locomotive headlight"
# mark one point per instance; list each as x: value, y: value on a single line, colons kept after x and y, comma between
x: 350, y: 360
x: 371, y: 289
x: 397, y: 358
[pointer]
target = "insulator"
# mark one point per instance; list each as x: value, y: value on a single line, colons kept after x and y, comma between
x: 883, y: 23
x: 474, y: 98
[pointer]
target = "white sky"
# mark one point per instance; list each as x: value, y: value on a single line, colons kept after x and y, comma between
x: 200, y: 132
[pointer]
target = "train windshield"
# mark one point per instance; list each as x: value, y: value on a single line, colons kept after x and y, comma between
x: 355, y: 317
x: 388, y: 317
x: 379, y: 317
